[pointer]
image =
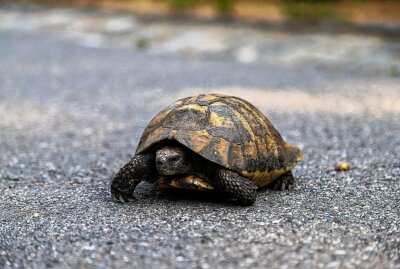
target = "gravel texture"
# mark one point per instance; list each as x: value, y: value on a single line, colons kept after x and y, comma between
x: 71, y: 116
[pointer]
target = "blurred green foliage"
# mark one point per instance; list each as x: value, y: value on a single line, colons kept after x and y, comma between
x: 295, y: 9
x: 394, y: 71
x: 142, y: 43
x: 222, y: 6
x: 310, y: 10
x: 291, y: 9
x: 180, y: 4
x: 310, y: 1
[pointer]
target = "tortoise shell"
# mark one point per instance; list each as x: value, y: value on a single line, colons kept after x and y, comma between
x: 226, y: 130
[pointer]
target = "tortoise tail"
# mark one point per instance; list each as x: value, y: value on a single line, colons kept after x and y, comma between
x: 295, y: 153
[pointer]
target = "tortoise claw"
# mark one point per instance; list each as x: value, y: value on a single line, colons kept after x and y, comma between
x: 123, y: 198
x: 285, y: 182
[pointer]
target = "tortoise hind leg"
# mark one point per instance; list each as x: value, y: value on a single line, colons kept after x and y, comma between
x: 238, y: 187
x: 140, y: 167
x: 284, y: 182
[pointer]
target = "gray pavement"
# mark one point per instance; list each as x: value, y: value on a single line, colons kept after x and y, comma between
x: 71, y: 115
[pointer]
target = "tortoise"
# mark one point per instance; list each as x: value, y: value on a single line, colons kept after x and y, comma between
x: 210, y: 142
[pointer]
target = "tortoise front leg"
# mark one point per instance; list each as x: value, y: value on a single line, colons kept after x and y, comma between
x: 139, y: 168
x: 238, y: 187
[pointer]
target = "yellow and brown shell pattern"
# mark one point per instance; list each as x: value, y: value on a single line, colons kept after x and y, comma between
x: 228, y: 131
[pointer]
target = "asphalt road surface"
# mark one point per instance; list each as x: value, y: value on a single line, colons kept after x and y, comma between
x: 71, y: 116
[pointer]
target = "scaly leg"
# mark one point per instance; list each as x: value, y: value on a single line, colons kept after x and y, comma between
x: 240, y: 188
x: 139, y: 168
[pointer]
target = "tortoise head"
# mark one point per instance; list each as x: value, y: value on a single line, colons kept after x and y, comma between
x: 172, y: 160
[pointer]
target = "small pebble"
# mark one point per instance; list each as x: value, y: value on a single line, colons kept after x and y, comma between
x: 342, y: 166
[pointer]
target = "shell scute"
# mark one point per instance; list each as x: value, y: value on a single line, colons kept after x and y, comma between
x: 187, y: 117
x: 224, y: 123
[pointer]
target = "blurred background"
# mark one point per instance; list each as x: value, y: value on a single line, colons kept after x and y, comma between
x: 360, y: 36
x: 80, y: 80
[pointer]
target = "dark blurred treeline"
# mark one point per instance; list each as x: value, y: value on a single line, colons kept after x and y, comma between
x: 225, y: 6
x: 366, y: 11
x: 294, y: 9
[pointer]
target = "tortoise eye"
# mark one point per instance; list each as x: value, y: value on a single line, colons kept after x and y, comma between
x: 174, y: 159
